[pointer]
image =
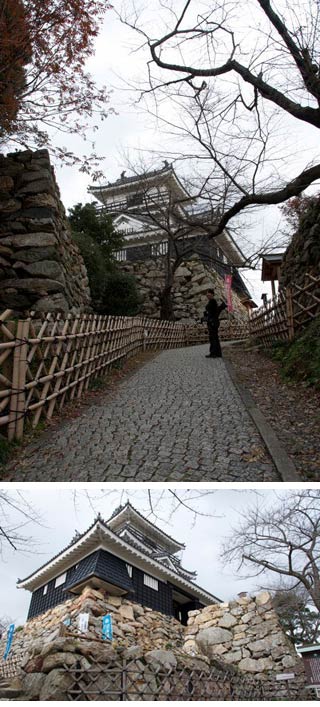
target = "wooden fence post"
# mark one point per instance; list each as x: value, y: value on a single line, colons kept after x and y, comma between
x: 289, y: 307
x: 19, y: 370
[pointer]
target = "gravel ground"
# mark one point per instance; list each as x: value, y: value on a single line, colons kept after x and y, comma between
x: 292, y: 410
x: 179, y: 417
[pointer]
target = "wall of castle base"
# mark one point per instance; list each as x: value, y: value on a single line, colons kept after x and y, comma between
x: 244, y: 634
x: 132, y: 623
x: 41, y: 267
x: 192, y: 279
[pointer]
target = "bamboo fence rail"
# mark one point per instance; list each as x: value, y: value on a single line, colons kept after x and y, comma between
x: 47, y: 360
x: 286, y: 314
x: 9, y: 668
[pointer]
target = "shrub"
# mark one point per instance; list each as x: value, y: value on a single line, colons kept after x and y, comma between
x: 120, y: 296
x: 95, y: 264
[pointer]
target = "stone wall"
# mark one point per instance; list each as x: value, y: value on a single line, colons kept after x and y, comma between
x: 132, y: 623
x: 75, y: 668
x: 192, y: 279
x: 303, y: 254
x: 245, y: 633
x: 40, y: 266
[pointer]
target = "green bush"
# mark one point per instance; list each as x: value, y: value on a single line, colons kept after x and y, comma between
x: 95, y: 263
x: 120, y: 296
x: 300, y: 358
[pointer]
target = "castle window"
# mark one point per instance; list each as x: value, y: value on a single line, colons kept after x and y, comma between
x: 135, y: 199
x: 150, y: 582
x: 159, y: 248
x: 120, y: 255
x: 45, y: 589
x: 60, y: 580
x: 129, y: 570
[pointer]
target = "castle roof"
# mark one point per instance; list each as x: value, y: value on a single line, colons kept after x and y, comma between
x: 127, y: 514
x: 140, y: 181
x: 138, y: 542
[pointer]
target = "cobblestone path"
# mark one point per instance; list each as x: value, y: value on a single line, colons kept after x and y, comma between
x: 178, y: 418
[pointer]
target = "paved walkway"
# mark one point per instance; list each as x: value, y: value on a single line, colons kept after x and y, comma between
x: 178, y: 418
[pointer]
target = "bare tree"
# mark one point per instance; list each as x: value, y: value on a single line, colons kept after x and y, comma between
x: 283, y: 540
x: 176, y: 228
x: 298, y: 618
x: 16, y: 515
x: 155, y: 504
x: 231, y: 71
x: 177, y: 236
x: 5, y: 621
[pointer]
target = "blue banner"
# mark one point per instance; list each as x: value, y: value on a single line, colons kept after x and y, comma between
x: 107, y: 627
x: 9, y: 641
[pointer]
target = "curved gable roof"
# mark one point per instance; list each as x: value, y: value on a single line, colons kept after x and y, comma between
x: 99, y: 535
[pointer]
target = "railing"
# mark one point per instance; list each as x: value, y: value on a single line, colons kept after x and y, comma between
x: 286, y: 314
x: 47, y: 361
x: 9, y: 668
x: 128, y: 680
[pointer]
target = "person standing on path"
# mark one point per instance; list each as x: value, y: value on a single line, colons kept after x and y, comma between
x: 211, y: 316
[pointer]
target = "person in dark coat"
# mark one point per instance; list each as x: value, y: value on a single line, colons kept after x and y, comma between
x: 211, y: 316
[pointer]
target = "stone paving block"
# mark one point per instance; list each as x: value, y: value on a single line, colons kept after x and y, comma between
x: 177, y: 418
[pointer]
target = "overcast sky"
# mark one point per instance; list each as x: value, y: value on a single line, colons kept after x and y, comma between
x: 64, y: 511
x: 129, y: 132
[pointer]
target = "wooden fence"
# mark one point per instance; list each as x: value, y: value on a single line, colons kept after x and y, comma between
x: 286, y: 314
x: 9, y: 668
x: 48, y: 360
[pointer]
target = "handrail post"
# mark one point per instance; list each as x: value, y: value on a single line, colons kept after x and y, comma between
x: 289, y: 307
x: 19, y: 370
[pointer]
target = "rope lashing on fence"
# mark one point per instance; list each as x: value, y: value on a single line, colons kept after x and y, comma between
x: 50, y: 359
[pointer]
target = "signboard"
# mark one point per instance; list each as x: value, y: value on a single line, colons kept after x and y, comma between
x: 311, y: 662
x: 285, y: 676
x: 10, y: 633
x: 107, y: 627
x: 83, y: 622
x: 228, y: 284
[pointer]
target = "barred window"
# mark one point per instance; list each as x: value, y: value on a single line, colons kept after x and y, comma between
x: 159, y: 248
x: 150, y: 582
x: 129, y: 570
x: 120, y: 255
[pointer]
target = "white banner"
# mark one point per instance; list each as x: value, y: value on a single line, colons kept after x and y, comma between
x: 83, y: 622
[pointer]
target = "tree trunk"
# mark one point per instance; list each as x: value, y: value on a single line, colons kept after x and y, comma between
x: 166, y: 304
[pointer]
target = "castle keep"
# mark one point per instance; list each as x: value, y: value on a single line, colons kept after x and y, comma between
x: 127, y: 556
x: 164, y: 625
x: 152, y: 211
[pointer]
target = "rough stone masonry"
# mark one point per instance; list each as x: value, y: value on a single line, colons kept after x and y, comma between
x: 191, y: 282
x: 41, y: 267
x: 244, y: 634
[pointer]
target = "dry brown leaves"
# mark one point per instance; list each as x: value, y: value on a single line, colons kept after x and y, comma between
x: 293, y: 410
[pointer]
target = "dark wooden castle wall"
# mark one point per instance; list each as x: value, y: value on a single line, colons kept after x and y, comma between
x: 159, y: 600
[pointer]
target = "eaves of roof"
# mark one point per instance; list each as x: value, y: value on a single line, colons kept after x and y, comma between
x: 119, y: 184
x: 131, y: 508
x: 95, y: 535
